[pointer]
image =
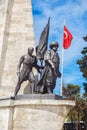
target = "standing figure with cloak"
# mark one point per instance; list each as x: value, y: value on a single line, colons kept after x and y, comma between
x: 50, y: 72
x: 51, y: 69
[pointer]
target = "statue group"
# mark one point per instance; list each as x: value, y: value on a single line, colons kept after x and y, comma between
x: 48, y: 73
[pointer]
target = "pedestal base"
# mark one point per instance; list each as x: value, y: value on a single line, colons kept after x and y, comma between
x: 33, y: 113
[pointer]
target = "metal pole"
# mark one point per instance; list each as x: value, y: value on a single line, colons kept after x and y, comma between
x: 61, y: 85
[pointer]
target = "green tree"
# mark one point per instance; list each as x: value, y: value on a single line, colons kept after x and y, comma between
x: 83, y: 65
x: 70, y: 91
x: 85, y: 38
x: 83, y: 62
x: 79, y: 112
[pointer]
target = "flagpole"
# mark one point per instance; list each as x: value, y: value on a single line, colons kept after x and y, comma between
x: 62, y: 67
x: 67, y: 38
x: 61, y: 87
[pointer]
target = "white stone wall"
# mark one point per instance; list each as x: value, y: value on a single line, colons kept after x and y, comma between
x: 34, y: 114
x: 2, y: 22
x: 17, y: 37
x: 4, y: 118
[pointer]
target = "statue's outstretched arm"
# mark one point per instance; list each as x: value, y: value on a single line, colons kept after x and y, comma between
x: 38, y: 67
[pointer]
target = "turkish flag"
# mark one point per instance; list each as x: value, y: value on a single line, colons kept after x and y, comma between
x: 67, y: 38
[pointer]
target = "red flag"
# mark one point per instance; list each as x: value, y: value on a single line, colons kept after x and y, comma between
x: 67, y: 38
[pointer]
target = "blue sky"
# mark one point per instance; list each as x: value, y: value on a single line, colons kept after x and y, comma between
x: 74, y: 12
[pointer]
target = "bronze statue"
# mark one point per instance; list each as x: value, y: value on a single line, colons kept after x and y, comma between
x: 51, y: 69
x: 28, y: 61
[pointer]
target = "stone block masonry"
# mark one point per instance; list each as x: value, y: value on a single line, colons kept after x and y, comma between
x: 16, y: 35
x: 34, y: 114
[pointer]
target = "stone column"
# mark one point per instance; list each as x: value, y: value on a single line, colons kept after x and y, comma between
x: 16, y: 35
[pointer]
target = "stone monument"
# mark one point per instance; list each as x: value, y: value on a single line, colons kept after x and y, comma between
x: 36, y: 113
x: 29, y: 111
x: 16, y: 35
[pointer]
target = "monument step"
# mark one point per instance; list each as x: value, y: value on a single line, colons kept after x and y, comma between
x: 38, y: 96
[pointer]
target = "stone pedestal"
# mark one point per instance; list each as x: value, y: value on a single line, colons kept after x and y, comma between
x: 34, y: 114
x: 16, y: 35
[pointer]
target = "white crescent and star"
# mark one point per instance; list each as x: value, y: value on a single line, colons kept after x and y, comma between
x: 66, y: 35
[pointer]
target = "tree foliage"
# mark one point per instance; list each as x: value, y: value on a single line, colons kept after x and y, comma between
x: 83, y: 66
x: 79, y: 112
x: 71, y: 91
x: 83, y: 62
